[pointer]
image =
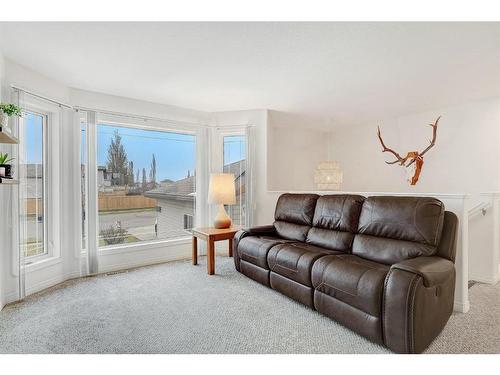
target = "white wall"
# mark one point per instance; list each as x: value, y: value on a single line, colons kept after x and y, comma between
x: 296, y: 144
x: 44, y: 275
x: 463, y: 160
x: 113, y: 103
x: 27, y: 78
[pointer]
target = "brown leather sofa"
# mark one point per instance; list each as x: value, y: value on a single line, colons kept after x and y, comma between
x: 382, y: 266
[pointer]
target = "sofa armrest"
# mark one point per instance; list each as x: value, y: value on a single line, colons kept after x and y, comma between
x: 417, y: 302
x: 433, y: 270
x: 265, y: 230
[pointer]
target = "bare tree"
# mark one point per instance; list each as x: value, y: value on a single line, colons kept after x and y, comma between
x: 117, y: 157
x: 152, y: 172
x: 130, y: 174
x: 144, y: 181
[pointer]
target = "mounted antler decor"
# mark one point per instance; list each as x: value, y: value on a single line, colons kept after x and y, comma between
x: 413, y: 160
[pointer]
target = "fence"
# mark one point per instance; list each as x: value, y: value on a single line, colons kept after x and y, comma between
x: 125, y: 202
x: 106, y: 203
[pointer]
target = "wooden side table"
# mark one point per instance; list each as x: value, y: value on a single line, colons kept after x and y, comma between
x: 211, y: 235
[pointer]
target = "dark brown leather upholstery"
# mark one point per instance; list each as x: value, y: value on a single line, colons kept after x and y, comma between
x: 295, y: 260
x: 347, y: 282
x: 448, y: 245
x: 413, y: 313
x: 392, y: 229
x: 294, y: 214
x: 335, y: 221
x: 382, y: 266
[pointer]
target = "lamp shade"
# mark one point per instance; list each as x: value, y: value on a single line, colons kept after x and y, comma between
x: 328, y: 176
x: 222, y: 189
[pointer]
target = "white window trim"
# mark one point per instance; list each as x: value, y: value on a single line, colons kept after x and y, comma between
x: 51, y: 172
x: 218, y: 154
x: 93, y: 120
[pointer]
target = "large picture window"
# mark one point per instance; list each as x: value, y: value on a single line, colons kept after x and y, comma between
x: 35, y: 128
x: 235, y: 163
x: 146, y: 184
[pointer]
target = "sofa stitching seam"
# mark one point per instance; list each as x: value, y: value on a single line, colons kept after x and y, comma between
x: 409, y: 316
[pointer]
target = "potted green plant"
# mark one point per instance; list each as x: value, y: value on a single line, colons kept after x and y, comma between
x: 7, y: 110
x: 5, y: 169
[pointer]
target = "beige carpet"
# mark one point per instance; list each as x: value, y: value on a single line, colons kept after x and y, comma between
x: 178, y: 308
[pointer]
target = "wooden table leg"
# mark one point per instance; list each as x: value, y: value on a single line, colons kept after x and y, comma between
x: 211, y: 256
x: 230, y: 247
x: 195, y: 250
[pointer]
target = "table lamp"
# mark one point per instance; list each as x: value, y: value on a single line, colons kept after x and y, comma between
x: 222, y: 191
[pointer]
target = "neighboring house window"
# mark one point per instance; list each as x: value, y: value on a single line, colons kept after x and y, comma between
x: 146, y: 184
x: 35, y: 128
x: 235, y: 163
x: 188, y: 221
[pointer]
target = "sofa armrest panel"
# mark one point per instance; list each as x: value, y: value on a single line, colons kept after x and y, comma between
x: 265, y: 230
x: 433, y: 270
x: 417, y: 302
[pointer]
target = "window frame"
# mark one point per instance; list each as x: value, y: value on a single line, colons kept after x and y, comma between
x: 138, y: 124
x: 51, y: 168
x: 222, y: 133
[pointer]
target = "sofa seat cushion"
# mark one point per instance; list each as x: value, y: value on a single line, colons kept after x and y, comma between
x: 352, y: 280
x: 294, y: 260
x: 254, y: 249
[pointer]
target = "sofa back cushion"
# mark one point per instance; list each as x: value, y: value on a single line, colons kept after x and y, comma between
x: 294, y: 214
x: 335, y: 221
x: 392, y: 229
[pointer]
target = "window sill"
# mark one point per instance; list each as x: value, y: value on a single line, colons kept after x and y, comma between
x: 118, y: 249
x: 43, y: 262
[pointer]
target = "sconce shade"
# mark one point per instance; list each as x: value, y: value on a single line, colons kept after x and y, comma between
x: 328, y: 176
x: 221, y: 189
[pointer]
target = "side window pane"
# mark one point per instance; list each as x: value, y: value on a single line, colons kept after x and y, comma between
x: 146, y: 184
x: 235, y: 163
x: 34, y: 128
x: 83, y: 180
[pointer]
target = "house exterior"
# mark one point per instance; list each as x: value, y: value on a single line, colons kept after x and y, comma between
x: 104, y: 178
x: 176, y: 202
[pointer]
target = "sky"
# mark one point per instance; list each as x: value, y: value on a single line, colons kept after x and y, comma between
x: 34, y: 135
x: 174, y: 152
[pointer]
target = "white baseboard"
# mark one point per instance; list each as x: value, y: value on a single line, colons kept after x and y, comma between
x: 462, y: 307
x: 485, y: 280
x: 14, y: 296
x: 146, y: 262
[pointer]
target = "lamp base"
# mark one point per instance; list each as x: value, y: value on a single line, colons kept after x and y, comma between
x: 222, y: 220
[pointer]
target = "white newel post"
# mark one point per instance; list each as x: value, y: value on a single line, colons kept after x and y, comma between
x: 459, y: 205
x: 492, y: 255
x: 496, y: 238
x: 462, y: 257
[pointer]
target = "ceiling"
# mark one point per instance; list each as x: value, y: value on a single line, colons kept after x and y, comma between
x: 347, y: 72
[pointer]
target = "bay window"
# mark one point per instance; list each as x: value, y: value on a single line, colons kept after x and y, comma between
x: 234, y: 161
x: 35, y: 186
x: 145, y: 184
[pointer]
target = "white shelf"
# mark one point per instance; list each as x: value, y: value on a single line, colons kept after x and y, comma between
x: 8, y: 181
x: 6, y: 137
